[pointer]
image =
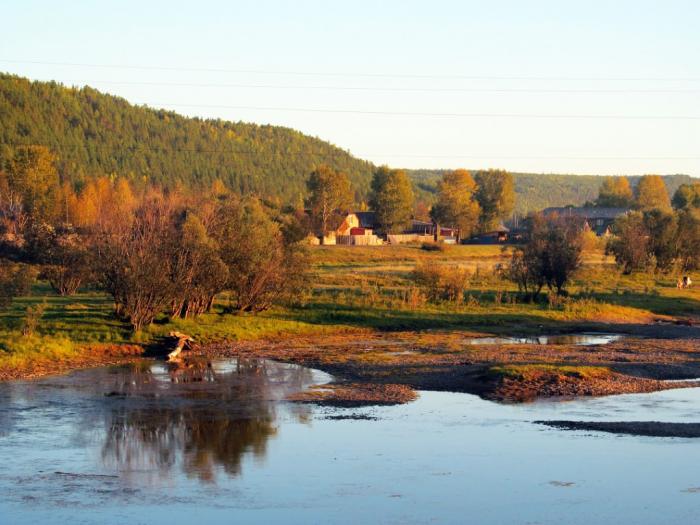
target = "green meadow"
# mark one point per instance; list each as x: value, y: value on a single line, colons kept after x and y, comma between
x: 362, y: 289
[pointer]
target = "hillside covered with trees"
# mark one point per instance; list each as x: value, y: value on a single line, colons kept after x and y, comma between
x: 536, y: 191
x: 93, y: 134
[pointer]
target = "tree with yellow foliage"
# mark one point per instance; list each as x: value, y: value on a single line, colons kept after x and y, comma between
x: 456, y: 203
x: 615, y: 192
x: 651, y: 193
x: 31, y: 173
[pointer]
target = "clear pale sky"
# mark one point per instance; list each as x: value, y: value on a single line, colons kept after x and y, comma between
x: 411, y: 84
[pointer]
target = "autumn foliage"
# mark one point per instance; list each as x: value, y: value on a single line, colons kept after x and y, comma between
x: 156, y: 252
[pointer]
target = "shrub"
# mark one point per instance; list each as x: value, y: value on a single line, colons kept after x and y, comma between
x: 442, y: 283
x: 64, y: 255
x: 550, y: 257
x: 262, y: 267
x: 15, y: 280
x: 32, y: 317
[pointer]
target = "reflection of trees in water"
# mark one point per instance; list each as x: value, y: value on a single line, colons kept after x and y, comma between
x: 206, y: 418
x: 7, y: 410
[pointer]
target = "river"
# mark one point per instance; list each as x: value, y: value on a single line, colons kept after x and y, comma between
x: 218, y: 444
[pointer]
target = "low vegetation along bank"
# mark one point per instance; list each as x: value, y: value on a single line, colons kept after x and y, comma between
x: 367, y: 292
x: 368, y: 321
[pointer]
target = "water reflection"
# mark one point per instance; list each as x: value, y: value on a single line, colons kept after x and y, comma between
x: 7, y: 416
x: 558, y: 339
x: 169, y: 432
x: 199, y: 416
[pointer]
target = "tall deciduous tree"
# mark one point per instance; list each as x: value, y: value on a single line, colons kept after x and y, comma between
x: 615, y: 192
x: 630, y: 245
x: 651, y: 193
x: 15, y: 280
x: 262, y: 268
x: 392, y: 199
x: 689, y: 239
x: 136, y: 263
x: 330, y: 191
x: 495, y: 195
x: 551, y: 255
x: 456, y: 204
x: 31, y: 173
x: 657, y: 239
x: 662, y: 226
x: 687, y: 197
x: 198, y: 273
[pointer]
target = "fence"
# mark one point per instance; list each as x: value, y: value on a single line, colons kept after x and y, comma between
x: 358, y: 240
x: 408, y: 238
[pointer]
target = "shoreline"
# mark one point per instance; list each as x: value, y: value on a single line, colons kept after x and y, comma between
x: 372, y: 368
x: 445, y: 361
x: 90, y: 356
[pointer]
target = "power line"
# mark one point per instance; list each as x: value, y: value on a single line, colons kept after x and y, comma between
x: 531, y: 157
x: 431, y: 114
x: 350, y: 74
x: 378, y: 89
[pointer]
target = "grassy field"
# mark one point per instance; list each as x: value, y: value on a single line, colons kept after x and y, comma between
x: 363, y: 288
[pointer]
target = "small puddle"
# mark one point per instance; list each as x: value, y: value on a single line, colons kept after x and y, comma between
x: 581, y: 339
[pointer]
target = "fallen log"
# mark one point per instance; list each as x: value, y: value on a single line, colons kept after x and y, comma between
x: 182, y: 341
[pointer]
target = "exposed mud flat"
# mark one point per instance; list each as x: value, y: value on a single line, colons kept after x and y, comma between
x: 635, y: 428
x: 386, y: 368
x: 568, y: 382
x: 356, y: 395
x: 451, y: 361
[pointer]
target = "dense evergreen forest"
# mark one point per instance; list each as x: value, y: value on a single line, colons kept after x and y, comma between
x: 535, y: 191
x: 95, y: 134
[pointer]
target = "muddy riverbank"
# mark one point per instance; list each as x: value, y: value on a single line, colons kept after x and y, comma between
x: 89, y: 357
x: 387, y: 368
x: 449, y: 361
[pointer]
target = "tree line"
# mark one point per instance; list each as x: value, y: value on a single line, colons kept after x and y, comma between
x: 95, y: 135
x: 659, y: 233
x: 469, y: 203
x: 662, y: 232
x: 155, y: 251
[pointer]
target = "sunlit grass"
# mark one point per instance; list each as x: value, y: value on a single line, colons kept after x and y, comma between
x: 17, y: 350
x: 363, y: 288
x: 521, y: 372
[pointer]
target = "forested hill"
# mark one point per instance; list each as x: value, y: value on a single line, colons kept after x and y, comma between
x: 535, y: 191
x: 95, y: 134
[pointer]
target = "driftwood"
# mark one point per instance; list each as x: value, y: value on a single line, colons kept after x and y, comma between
x: 182, y: 341
x: 684, y: 282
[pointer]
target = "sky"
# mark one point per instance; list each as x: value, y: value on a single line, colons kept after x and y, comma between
x: 600, y: 87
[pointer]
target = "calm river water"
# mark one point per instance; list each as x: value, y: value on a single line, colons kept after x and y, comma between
x: 145, y: 444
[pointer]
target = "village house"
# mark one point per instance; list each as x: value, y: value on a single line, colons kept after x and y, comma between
x: 597, y: 220
x: 360, y: 229
x: 499, y: 235
x: 357, y: 229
